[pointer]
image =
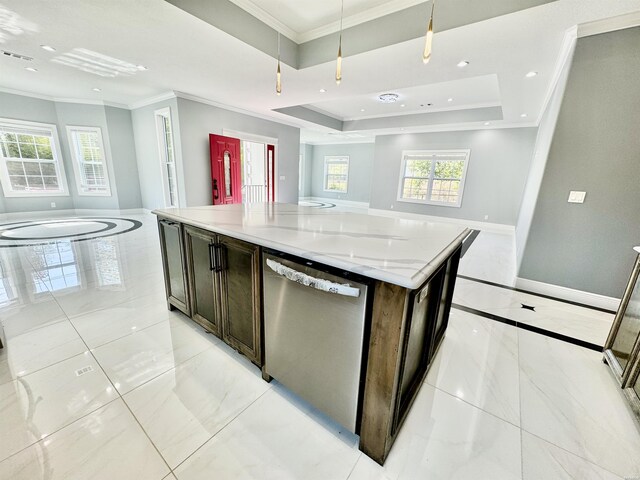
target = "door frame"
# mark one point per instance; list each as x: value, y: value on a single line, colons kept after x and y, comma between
x: 252, y: 137
x: 166, y: 112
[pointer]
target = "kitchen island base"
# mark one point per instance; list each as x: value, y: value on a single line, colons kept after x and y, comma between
x: 403, y: 326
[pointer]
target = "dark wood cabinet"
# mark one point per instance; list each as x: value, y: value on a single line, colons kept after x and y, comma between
x: 173, y: 261
x: 203, y: 279
x: 241, y: 296
x: 216, y: 280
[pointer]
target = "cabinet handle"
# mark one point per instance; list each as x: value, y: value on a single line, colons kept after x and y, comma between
x: 221, y: 260
x: 212, y: 257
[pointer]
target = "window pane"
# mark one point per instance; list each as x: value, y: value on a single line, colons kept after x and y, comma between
x: 417, y: 168
x: 415, y: 188
x: 32, y: 168
x: 449, y: 169
x: 44, y: 152
x: 35, y: 183
x: 28, y: 150
x: 8, y: 137
x: 46, y: 141
x: 48, y: 168
x: 15, y: 168
x: 25, y: 138
x: 51, y: 183
x: 12, y: 150
x: 18, y: 183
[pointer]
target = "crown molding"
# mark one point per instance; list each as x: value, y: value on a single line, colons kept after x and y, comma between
x: 387, y: 8
x: 151, y: 100
x: 265, y: 17
x: 84, y: 101
x: 606, y: 25
x: 426, y: 110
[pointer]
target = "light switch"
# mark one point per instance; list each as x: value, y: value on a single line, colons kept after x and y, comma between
x: 576, y: 197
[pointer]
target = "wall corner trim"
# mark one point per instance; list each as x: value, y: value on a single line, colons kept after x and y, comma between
x: 565, y: 293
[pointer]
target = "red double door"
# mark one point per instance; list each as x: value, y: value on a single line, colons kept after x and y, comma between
x: 226, y: 170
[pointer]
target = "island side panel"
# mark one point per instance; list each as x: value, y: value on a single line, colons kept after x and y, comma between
x: 378, y: 409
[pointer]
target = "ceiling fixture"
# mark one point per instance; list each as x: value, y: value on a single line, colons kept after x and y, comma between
x: 278, y: 72
x: 339, y: 60
x: 449, y: 99
x: 362, y: 109
x: 486, y: 123
x: 48, y: 48
x: 403, y: 105
x: 322, y: 90
x: 428, y: 42
x: 142, y: 68
x: 31, y: 69
x: 96, y: 89
x: 524, y: 115
x: 388, y: 97
x: 531, y: 74
x: 463, y: 63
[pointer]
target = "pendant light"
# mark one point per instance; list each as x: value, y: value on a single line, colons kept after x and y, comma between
x: 426, y: 55
x: 339, y: 60
x: 278, y: 73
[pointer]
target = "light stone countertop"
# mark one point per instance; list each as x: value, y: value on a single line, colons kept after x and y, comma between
x: 398, y: 251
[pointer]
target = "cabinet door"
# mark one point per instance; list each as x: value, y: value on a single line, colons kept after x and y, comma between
x: 173, y: 262
x: 202, y: 278
x: 241, y: 287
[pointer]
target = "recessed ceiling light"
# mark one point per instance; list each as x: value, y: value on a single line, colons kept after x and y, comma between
x: 31, y: 69
x: 524, y: 115
x: 48, y: 48
x: 531, y: 74
x: 96, y: 89
x: 403, y: 105
x: 463, y: 63
x: 450, y: 100
x: 141, y: 67
x: 362, y: 109
x: 486, y: 123
x: 322, y: 90
x: 388, y: 97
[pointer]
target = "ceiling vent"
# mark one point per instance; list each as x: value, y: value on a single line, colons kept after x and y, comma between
x: 17, y: 55
x: 388, y: 97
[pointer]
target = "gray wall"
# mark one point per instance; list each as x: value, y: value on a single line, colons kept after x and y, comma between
x: 198, y: 120
x: 123, y: 152
x: 546, y: 130
x: 306, y: 151
x: 360, y: 166
x: 596, y: 149
x: 496, y: 175
x: 118, y: 143
x: 148, y: 155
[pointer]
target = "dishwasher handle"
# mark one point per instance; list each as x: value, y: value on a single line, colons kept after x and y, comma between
x: 309, y: 281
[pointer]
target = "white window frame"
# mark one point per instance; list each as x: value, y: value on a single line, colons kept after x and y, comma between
x: 52, y: 130
x: 76, y: 161
x: 327, y: 160
x: 435, y: 153
x: 158, y: 115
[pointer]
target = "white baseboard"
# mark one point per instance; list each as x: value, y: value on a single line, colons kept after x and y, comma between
x: 483, y: 226
x: 587, y: 298
x: 69, y: 213
x: 335, y: 201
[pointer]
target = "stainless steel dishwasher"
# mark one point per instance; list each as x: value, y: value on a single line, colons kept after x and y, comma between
x: 314, y: 328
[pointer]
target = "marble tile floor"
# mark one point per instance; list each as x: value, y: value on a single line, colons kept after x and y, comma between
x: 129, y: 390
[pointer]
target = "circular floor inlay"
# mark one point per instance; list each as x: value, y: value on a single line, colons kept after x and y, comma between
x: 313, y: 204
x: 40, y: 232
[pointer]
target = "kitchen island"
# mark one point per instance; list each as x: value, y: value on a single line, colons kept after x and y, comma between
x: 242, y: 271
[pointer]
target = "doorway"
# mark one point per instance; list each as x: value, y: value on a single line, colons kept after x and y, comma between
x: 247, y: 173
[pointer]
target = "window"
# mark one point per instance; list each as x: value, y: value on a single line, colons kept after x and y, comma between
x: 336, y: 174
x: 89, y: 162
x: 433, y: 177
x: 30, y: 159
x: 167, y: 157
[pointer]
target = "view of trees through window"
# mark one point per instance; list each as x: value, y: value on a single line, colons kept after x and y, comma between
x: 336, y: 174
x: 29, y: 161
x: 433, y: 178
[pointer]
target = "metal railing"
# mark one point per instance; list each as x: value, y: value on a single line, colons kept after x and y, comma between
x: 254, y: 193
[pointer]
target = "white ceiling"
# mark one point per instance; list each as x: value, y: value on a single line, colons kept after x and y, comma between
x: 185, y: 54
